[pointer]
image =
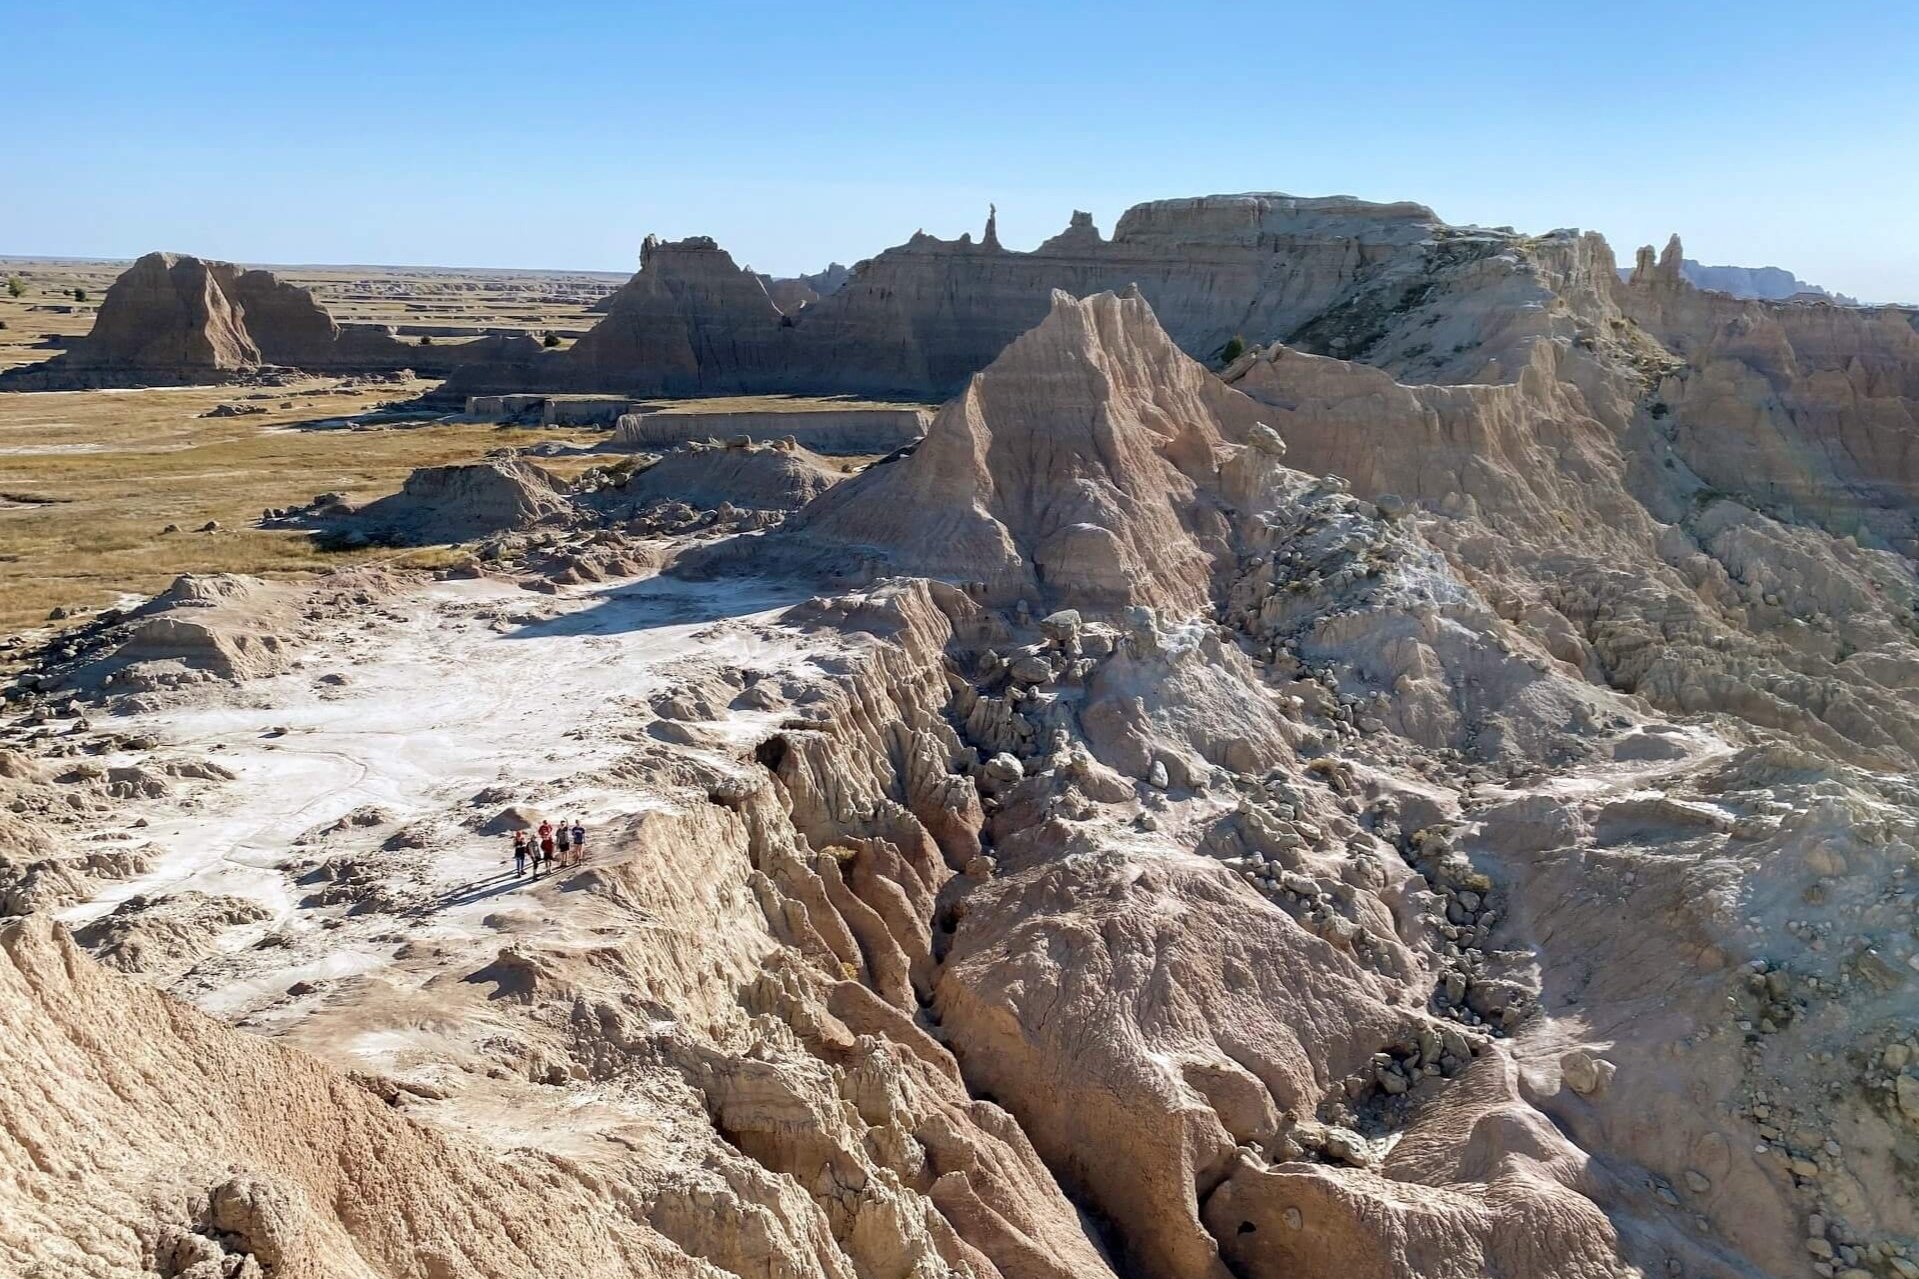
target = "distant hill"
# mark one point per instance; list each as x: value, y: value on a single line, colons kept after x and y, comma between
x: 1768, y: 282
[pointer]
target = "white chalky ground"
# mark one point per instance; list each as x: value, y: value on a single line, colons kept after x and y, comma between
x: 468, y: 685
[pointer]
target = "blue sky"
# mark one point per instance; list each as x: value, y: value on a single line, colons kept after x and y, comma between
x: 559, y: 134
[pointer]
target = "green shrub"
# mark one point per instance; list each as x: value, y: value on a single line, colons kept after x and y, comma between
x: 15, y: 286
x: 550, y: 341
x: 79, y: 294
x: 1233, y: 349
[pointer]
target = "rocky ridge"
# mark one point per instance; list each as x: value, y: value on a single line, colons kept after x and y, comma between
x: 177, y: 320
x: 1401, y: 812
x: 920, y: 318
x: 1766, y: 283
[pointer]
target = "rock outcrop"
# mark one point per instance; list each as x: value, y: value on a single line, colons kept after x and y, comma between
x: 170, y: 317
x: 1804, y: 409
x: 919, y: 319
x: 1764, y: 283
x: 1076, y: 470
x: 1546, y: 491
x: 792, y: 293
x: 205, y: 1151
x: 760, y: 477
x: 177, y: 320
x: 820, y: 429
x: 1618, y: 495
x: 1431, y: 799
x: 457, y: 503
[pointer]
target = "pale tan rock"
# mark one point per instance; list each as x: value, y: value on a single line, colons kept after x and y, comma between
x: 759, y: 478
x: 155, y: 1109
x: 921, y: 317
x: 1075, y: 470
x: 174, y: 319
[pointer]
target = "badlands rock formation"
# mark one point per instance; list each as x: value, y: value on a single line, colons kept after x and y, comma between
x: 1767, y: 283
x: 921, y: 318
x: 173, y: 319
x: 1432, y: 799
x: 790, y: 294
x: 1073, y: 470
x: 195, y: 1151
x: 764, y: 477
x: 1807, y: 410
x: 458, y: 503
x: 1636, y: 495
x: 820, y: 428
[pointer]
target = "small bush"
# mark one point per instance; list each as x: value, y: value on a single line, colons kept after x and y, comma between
x: 15, y: 286
x: 550, y: 341
x: 426, y: 339
x: 1233, y: 349
x: 79, y: 294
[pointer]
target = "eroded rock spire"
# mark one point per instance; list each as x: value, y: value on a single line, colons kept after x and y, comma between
x: 1672, y: 262
x: 1668, y: 268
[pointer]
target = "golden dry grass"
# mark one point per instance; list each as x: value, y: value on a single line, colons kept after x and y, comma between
x: 47, y: 307
x: 107, y: 471
x: 412, y: 298
x: 772, y: 404
x: 104, y: 472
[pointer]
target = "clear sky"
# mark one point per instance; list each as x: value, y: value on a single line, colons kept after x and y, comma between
x: 559, y: 133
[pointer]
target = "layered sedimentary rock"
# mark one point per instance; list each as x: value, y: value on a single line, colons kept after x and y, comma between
x: 1074, y: 469
x: 206, y: 1152
x: 773, y: 1103
x: 824, y: 430
x: 792, y: 293
x: 763, y: 477
x: 690, y: 322
x: 1802, y: 408
x: 918, y: 319
x: 1395, y: 809
x: 171, y: 317
x: 1620, y: 494
x: 1765, y: 283
x: 462, y: 501
x: 1551, y: 494
x: 1140, y: 1014
x: 174, y: 319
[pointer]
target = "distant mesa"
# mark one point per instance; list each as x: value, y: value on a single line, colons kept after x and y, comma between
x: 793, y: 293
x: 1759, y: 283
x: 172, y: 319
x: 1385, y: 284
x: 920, y: 318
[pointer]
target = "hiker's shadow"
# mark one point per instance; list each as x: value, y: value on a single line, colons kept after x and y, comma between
x: 477, y: 891
x: 662, y: 604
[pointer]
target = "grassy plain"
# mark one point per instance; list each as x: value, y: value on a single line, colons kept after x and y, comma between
x: 88, y: 479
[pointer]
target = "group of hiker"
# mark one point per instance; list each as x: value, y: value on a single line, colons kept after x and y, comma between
x: 549, y: 846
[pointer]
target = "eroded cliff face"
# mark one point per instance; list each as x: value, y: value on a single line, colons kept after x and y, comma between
x: 691, y: 322
x: 176, y: 320
x: 1382, y: 813
x: 723, y: 1070
x: 1675, y: 499
x: 1805, y: 409
x: 1077, y: 467
x: 921, y: 318
x: 168, y: 313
